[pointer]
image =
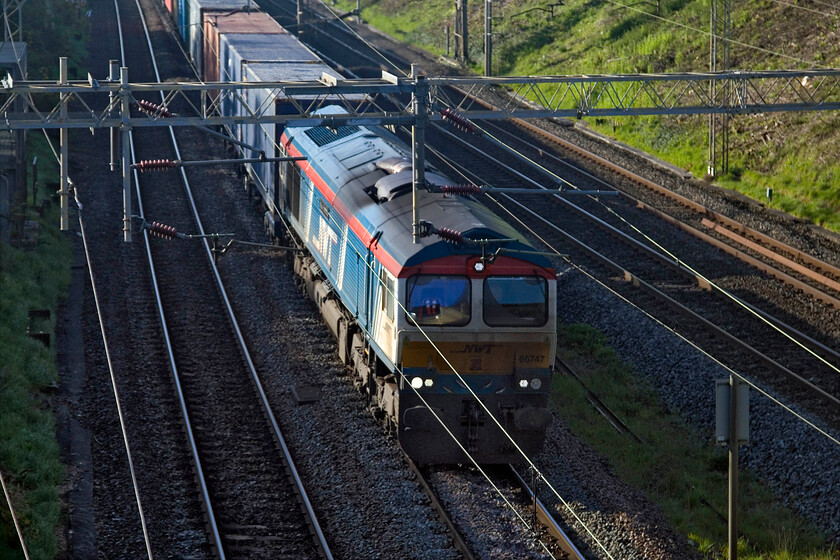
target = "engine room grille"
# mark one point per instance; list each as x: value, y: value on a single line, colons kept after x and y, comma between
x: 323, y: 135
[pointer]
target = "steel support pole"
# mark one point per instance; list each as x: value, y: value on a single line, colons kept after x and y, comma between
x: 63, y: 136
x: 462, y: 49
x: 113, y: 76
x: 359, y: 12
x: 418, y: 144
x: 720, y: 30
x: 300, y: 17
x: 125, y: 129
x: 733, y: 468
x: 488, y: 37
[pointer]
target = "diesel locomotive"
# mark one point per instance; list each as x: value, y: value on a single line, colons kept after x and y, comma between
x: 452, y: 335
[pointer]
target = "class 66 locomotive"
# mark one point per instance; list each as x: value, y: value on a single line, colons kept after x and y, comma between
x: 452, y: 335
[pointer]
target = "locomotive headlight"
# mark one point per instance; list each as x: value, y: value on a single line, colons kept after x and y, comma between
x: 429, y: 382
x: 523, y: 383
x: 536, y: 384
x: 417, y: 382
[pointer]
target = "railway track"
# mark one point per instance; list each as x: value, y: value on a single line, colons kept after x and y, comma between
x: 544, y: 537
x: 292, y: 348
x: 795, y: 267
x: 588, y: 224
x: 801, y: 271
x: 191, y: 293
x: 804, y: 378
x: 253, y: 500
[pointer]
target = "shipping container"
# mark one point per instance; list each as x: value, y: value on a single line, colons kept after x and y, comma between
x: 238, y: 49
x: 193, y: 32
x: 224, y: 22
x: 181, y: 18
x: 266, y: 136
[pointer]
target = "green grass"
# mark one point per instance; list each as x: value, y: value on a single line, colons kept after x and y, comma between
x: 675, y: 466
x: 34, y: 278
x: 795, y: 154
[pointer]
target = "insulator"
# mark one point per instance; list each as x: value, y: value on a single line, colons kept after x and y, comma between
x: 458, y: 120
x: 450, y: 235
x: 462, y: 190
x: 162, y: 230
x: 154, y: 165
x: 154, y: 109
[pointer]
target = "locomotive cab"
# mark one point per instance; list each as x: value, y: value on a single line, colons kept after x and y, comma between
x: 469, y: 332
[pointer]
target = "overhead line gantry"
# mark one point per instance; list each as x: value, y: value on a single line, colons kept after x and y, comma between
x: 423, y: 98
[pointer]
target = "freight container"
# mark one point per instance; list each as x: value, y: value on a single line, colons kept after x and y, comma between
x: 180, y: 17
x: 224, y: 22
x: 238, y: 49
x: 193, y: 32
x: 266, y: 136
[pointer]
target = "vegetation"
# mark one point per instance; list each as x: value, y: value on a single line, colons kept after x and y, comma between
x: 794, y: 154
x: 55, y: 28
x: 35, y: 276
x: 675, y: 467
x: 31, y: 278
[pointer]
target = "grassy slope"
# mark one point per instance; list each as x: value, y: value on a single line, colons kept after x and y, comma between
x: 35, y: 279
x: 29, y: 455
x: 675, y: 466
x: 794, y: 154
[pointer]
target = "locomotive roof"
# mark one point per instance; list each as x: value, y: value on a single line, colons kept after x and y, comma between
x: 344, y: 167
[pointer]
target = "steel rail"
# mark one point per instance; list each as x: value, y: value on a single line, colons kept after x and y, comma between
x: 318, y: 535
x: 457, y: 539
x: 635, y: 280
x: 662, y: 296
x: 206, y: 503
x: 545, y: 517
x: 744, y: 257
x: 819, y: 272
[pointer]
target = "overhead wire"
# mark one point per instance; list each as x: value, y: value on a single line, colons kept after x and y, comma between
x: 478, y: 399
x: 674, y: 257
x: 208, y: 507
x: 753, y: 384
x: 332, y: 218
x: 123, y: 429
x: 722, y: 290
x: 463, y: 381
x: 113, y: 378
x: 804, y: 8
x: 14, y: 517
x: 710, y: 34
x: 365, y: 41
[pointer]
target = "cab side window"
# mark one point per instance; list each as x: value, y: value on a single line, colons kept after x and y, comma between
x: 387, y: 303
